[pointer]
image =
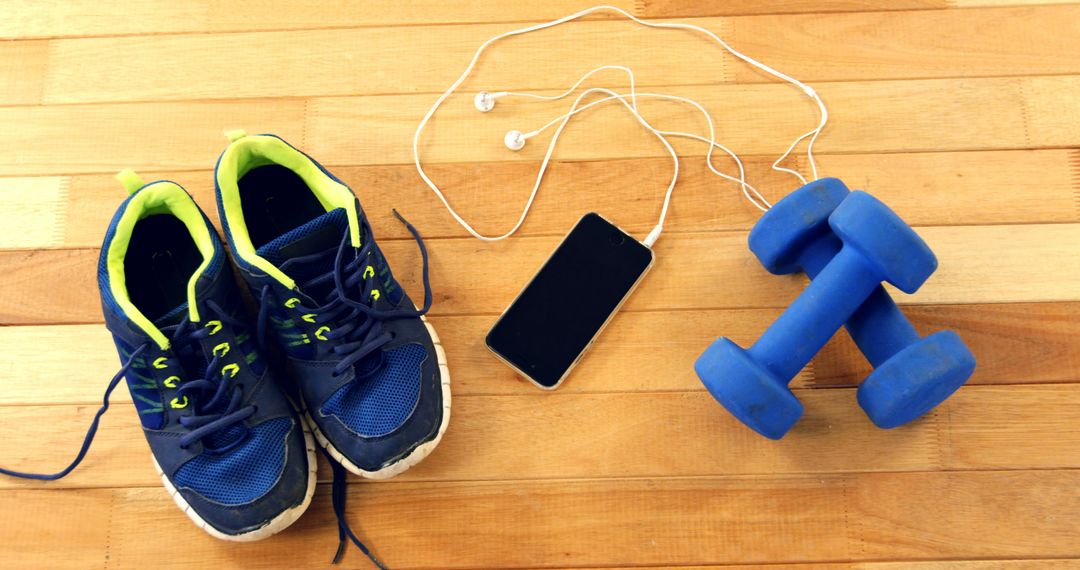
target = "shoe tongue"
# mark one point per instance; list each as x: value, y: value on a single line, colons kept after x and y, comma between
x: 173, y: 317
x: 321, y: 234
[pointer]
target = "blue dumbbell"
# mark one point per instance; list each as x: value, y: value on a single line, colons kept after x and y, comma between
x: 753, y: 383
x: 911, y: 374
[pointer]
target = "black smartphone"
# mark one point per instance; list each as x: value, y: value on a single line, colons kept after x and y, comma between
x: 551, y: 323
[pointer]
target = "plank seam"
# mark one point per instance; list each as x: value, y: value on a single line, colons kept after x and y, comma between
x: 942, y: 450
x: 46, y: 71
x: 1025, y: 113
x: 1074, y: 167
x: 304, y: 122
x: 108, y: 532
x: 59, y: 232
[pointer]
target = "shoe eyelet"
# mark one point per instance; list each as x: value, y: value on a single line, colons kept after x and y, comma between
x: 320, y: 332
x: 292, y: 302
x: 159, y: 363
x: 223, y: 347
x: 171, y: 381
x: 232, y: 369
x: 214, y: 326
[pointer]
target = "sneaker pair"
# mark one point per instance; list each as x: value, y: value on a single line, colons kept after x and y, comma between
x: 231, y: 429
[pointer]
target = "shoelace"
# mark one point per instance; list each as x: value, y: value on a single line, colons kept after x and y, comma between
x: 357, y: 337
x: 356, y: 329
x: 209, y: 416
x: 214, y: 398
x: 338, y: 495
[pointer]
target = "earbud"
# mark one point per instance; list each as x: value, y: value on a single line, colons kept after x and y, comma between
x: 485, y: 101
x: 514, y: 140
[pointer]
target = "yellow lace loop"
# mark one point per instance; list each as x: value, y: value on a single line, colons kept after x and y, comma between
x: 292, y: 302
x: 310, y: 317
x: 223, y: 347
x: 369, y: 272
x: 214, y: 326
x: 171, y: 381
x: 230, y: 369
x: 159, y: 362
x: 321, y: 331
x: 375, y: 294
x: 178, y: 403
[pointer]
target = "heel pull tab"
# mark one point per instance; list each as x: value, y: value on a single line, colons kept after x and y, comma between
x: 235, y: 134
x: 131, y: 181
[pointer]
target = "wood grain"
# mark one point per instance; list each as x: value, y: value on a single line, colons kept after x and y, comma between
x: 692, y: 271
x: 1014, y: 343
x: 711, y: 520
x: 618, y: 435
x: 820, y: 47
x: 950, y: 188
x: 962, y: 115
x: 30, y: 19
x: 877, y: 116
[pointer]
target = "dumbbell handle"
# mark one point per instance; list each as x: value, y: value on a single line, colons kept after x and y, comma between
x: 814, y: 317
x: 878, y: 327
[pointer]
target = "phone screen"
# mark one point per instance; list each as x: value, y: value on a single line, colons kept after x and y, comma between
x: 556, y: 316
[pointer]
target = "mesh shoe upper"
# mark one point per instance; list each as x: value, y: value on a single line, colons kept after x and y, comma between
x: 219, y: 427
x: 363, y: 361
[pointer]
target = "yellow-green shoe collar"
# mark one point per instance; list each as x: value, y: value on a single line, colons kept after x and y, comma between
x: 161, y: 197
x: 246, y: 153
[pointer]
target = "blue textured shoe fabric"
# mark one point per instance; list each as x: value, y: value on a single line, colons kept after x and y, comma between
x: 366, y: 365
x: 229, y: 444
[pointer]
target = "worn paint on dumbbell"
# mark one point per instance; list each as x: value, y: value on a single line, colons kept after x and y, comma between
x: 912, y: 374
x: 752, y: 383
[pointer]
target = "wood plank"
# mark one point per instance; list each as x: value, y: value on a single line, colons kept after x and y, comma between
x: 367, y: 61
x: 78, y: 520
x: 30, y: 18
x: 692, y: 271
x: 816, y: 47
x: 955, y: 188
x: 35, y: 212
x: 914, y: 44
x: 34, y: 19
x: 681, y: 9
x: 881, y: 116
x: 1014, y: 344
x: 1035, y: 342
x: 593, y: 436
x: 885, y: 516
x: 22, y: 71
x: 109, y: 138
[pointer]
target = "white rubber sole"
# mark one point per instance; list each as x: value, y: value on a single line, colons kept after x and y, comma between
x: 276, y: 525
x: 421, y: 451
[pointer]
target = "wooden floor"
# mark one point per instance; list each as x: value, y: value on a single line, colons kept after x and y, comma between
x: 963, y: 115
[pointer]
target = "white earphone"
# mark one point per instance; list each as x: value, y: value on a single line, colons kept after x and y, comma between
x: 515, y: 140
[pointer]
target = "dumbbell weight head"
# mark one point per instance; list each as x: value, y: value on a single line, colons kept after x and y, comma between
x: 783, y: 234
x: 916, y: 379
x: 747, y: 390
x: 899, y: 254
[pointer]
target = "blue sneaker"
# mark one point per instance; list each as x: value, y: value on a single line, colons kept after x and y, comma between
x: 368, y: 367
x: 229, y: 447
